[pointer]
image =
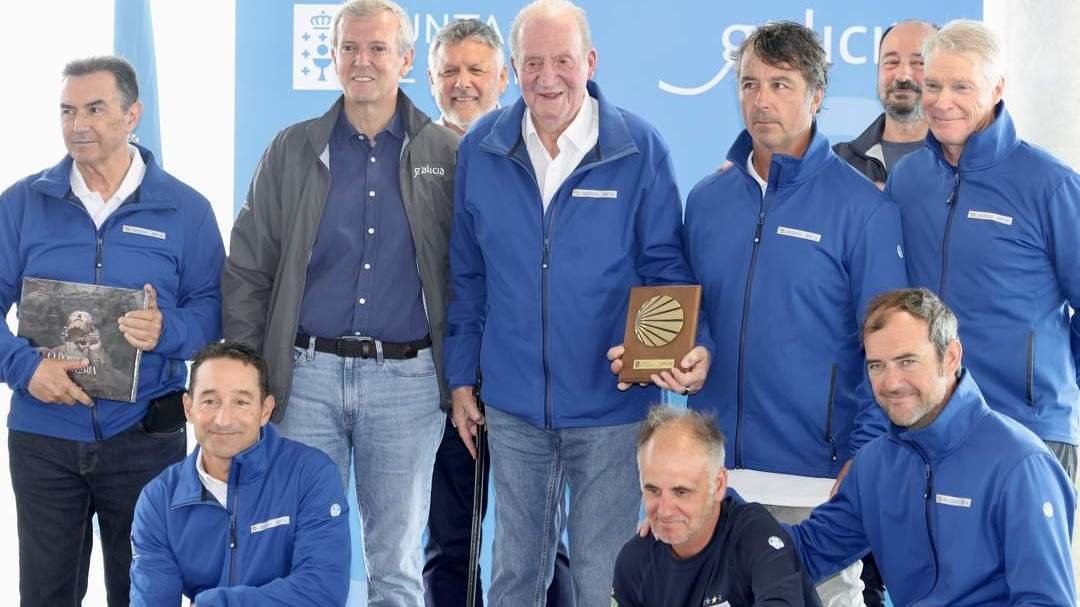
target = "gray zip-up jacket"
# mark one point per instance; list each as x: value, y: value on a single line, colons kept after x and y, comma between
x: 271, y: 241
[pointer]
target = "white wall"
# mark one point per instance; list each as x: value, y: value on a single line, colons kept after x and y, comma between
x: 1042, y: 85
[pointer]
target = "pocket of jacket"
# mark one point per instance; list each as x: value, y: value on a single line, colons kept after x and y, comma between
x: 1029, y: 376
x: 829, y: 411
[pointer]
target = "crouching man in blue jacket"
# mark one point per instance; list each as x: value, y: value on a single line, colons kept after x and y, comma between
x: 249, y: 518
x: 960, y: 505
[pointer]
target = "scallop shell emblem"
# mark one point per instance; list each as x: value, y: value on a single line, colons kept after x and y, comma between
x: 658, y: 321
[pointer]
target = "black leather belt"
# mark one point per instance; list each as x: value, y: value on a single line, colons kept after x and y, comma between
x: 364, y: 348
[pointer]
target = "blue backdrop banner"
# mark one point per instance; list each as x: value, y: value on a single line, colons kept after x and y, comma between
x: 667, y: 62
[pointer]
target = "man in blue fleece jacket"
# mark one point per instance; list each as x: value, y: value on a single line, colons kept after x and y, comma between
x: 962, y: 506
x: 250, y: 517
x: 991, y: 225
x: 106, y: 214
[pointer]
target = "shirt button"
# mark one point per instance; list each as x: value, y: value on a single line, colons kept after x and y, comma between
x: 371, y: 194
x: 362, y: 301
x: 367, y: 266
x: 373, y: 159
x: 371, y: 230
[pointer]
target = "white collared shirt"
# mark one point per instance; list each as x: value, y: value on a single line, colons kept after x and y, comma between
x: 579, y: 137
x: 753, y: 173
x: 219, y: 489
x: 99, y: 209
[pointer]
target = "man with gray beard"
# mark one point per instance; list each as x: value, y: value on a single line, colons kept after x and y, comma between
x: 901, y: 128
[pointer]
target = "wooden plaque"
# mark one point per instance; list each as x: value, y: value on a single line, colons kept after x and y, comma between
x: 661, y: 328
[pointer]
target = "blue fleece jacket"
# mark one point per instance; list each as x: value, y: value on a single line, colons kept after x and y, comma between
x: 165, y: 234
x: 972, y: 510
x: 282, y: 539
x: 538, y: 297
x: 786, y: 278
x: 998, y: 239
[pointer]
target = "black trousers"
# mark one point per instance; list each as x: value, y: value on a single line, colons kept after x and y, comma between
x: 449, y: 521
x: 59, y: 486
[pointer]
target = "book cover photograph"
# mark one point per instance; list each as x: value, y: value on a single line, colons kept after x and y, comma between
x: 71, y: 320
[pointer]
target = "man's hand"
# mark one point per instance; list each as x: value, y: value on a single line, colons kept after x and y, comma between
x: 689, y: 377
x: 466, y: 416
x: 51, y: 384
x: 840, y: 479
x: 614, y: 354
x: 142, y: 328
x: 687, y: 380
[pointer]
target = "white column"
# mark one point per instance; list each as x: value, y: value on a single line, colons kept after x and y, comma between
x: 1042, y: 84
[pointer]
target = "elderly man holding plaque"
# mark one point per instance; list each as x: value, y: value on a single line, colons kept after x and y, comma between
x: 790, y: 243
x: 585, y: 208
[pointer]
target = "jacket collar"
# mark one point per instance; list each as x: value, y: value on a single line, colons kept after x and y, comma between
x: 952, y: 426
x: 614, y: 139
x: 156, y: 189
x: 987, y: 147
x: 786, y: 170
x: 247, y: 467
x: 320, y: 129
x: 870, y: 137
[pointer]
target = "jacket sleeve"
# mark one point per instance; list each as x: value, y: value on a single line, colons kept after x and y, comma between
x: 254, y: 250
x: 833, y: 536
x: 774, y: 567
x: 876, y: 266
x: 155, y: 574
x: 1035, y: 522
x: 468, y: 287
x: 658, y: 231
x: 321, y: 553
x: 196, y: 319
x: 18, y: 360
x: 1064, y: 210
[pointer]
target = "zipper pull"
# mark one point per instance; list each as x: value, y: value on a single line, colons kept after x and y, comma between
x: 760, y: 225
x: 955, y: 188
x: 232, y: 532
x: 547, y: 253
x: 929, y: 483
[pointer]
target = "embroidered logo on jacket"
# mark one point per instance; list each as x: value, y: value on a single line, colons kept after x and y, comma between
x: 795, y: 233
x: 988, y: 216
x: 583, y: 193
x: 270, y: 524
x: 948, y: 500
x: 428, y: 170
x: 144, y: 232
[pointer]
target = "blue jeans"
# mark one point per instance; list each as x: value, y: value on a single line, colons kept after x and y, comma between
x: 59, y: 486
x: 446, y: 572
x: 532, y: 468
x: 385, y: 415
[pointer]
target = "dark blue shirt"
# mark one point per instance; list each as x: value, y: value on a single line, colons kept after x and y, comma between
x: 362, y: 277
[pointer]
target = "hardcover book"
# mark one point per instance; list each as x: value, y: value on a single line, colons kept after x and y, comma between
x: 72, y: 320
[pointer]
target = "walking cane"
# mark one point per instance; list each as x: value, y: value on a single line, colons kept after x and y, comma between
x: 479, y: 490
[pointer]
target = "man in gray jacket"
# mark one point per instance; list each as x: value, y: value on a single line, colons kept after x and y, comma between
x: 337, y: 273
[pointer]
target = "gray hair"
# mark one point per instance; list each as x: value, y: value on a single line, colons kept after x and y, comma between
x: 966, y: 36
x: 790, y: 44
x: 549, y: 8
x: 920, y: 303
x: 700, y: 426
x: 355, y: 9
x: 126, y: 81
x: 461, y: 30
